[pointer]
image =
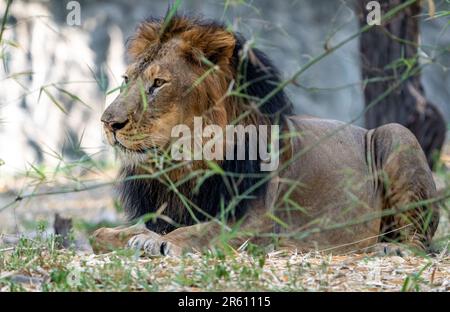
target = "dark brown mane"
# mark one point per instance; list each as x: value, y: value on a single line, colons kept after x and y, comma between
x: 251, y: 73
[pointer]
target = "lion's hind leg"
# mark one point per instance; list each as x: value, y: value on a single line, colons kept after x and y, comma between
x: 409, y: 214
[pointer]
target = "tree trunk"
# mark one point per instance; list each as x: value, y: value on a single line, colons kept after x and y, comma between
x: 388, y: 53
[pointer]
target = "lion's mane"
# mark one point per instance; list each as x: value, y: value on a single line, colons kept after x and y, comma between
x: 249, y: 67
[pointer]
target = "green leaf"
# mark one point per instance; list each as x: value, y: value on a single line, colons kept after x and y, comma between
x: 143, y: 93
x: 4, y: 19
x: 114, y: 90
x: 215, y: 167
x: 52, y: 98
x: 200, y: 79
x: 72, y: 96
x: 170, y: 14
x: 101, y: 81
x: 40, y: 173
x: 11, y: 43
x: 277, y: 220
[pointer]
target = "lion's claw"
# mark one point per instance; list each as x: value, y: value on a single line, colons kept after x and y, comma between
x: 153, y: 245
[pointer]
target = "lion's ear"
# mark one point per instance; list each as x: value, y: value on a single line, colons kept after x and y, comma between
x: 146, y: 34
x: 214, y: 43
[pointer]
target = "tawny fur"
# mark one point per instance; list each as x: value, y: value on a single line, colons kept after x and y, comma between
x: 331, y: 197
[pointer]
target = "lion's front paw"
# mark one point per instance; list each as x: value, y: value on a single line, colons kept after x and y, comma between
x: 105, y: 240
x: 153, y: 245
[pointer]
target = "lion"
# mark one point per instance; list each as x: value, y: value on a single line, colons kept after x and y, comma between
x: 338, y: 188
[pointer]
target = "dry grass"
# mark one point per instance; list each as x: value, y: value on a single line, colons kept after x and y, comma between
x: 277, y: 271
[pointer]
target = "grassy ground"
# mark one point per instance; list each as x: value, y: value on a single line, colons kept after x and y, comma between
x: 32, y: 262
x: 38, y: 266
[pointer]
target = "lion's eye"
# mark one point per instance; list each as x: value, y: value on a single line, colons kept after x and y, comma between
x: 158, y: 82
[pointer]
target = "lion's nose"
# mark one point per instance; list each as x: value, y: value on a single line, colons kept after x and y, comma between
x: 114, y: 125
x: 114, y: 118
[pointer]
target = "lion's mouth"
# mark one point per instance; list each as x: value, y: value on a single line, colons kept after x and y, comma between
x: 123, y: 148
x: 153, y: 150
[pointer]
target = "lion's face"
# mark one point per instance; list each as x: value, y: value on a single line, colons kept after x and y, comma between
x: 149, y: 106
x: 162, y: 88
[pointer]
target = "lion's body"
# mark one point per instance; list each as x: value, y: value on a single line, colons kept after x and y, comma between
x: 347, y: 175
x: 339, y: 187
